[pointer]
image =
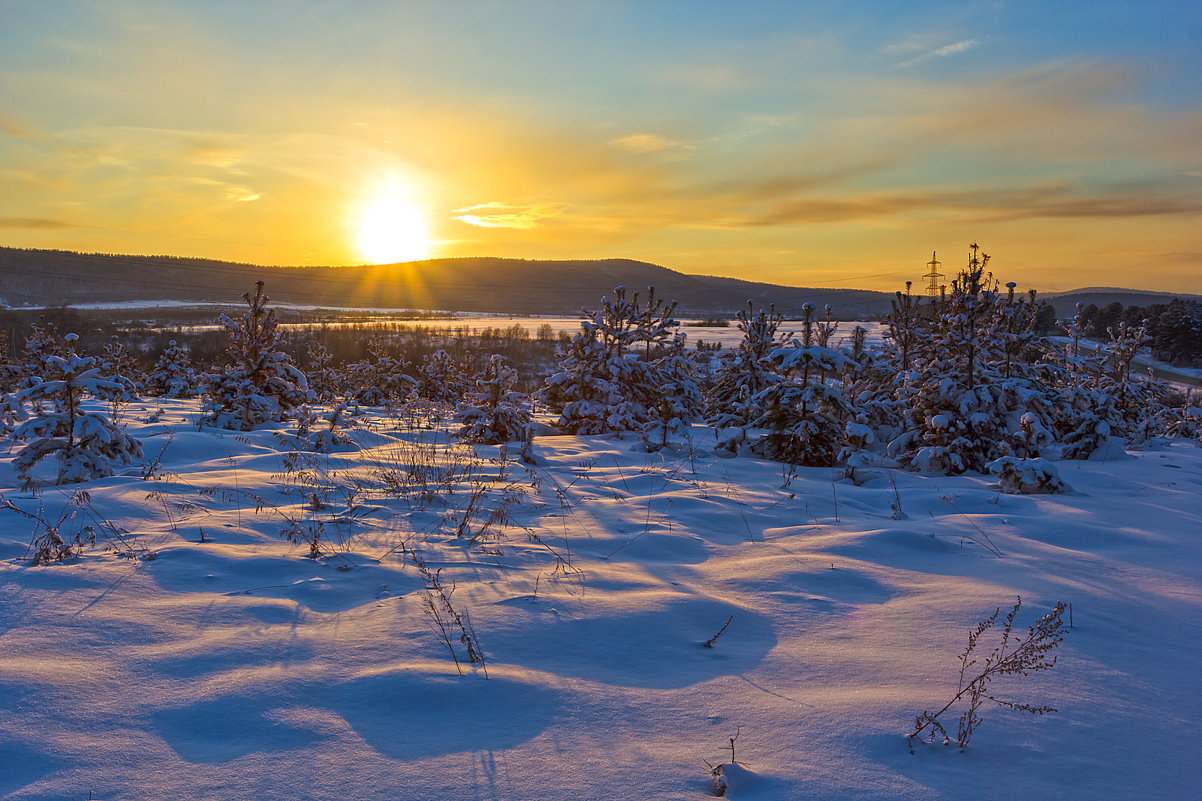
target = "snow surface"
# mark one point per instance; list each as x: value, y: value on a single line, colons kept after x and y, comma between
x: 238, y: 668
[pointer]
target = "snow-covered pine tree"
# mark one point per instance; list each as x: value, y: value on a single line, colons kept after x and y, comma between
x: 380, y: 379
x: 494, y: 412
x: 746, y: 375
x: 1175, y: 333
x: 606, y: 379
x: 173, y: 375
x: 441, y: 379
x: 680, y: 397
x: 805, y: 416
x: 322, y: 433
x: 327, y: 382
x: 83, y: 445
x: 1083, y: 412
x: 42, y: 341
x: 261, y: 384
x: 904, y: 325
x: 1098, y: 396
x: 120, y: 363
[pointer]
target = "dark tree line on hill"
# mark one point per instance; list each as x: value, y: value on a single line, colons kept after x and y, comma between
x: 1174, y: 328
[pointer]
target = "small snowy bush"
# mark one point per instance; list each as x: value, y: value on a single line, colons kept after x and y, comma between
x: 680, y: 397
x: 322, y: 434
x: 82, y: 445
x: 804, y: 415
x: 173, y: 375
x: 495, y: 412
x: 381, y: 380
x: 1027, y: 476
x: 327, y: 382
x: 12, y: 412
x: 441, y: 379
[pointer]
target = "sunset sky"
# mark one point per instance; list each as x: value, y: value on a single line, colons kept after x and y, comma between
x: 813, y: 144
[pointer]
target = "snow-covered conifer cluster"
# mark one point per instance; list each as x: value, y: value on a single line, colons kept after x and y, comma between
x: 611, y: 377
x: 963, y: 380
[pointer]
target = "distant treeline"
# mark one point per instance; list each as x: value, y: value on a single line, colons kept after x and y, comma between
x: 1174, y: 328
x: 530, y: 353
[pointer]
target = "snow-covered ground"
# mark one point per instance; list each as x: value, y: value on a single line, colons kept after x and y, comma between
x: 239, y: 668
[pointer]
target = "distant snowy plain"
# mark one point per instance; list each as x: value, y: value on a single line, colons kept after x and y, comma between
x: 239, y: 668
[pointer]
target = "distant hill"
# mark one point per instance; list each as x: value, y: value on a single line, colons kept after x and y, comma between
x: 49, y: 277
x: 1065, y: 303
x: 494, y: 285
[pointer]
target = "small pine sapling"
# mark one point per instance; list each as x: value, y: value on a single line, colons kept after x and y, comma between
x: 382, y: 380
x: 118, y: 362
x: 743, y: 377
x: 84, y: 445
x: 326, y: 381
x: 261, y: 384
x: 605, y: 381
x: 440, y: 379
x: 173, y: 375
x: 495, y: 412
x: 804, y: 415
x: 680, y: 400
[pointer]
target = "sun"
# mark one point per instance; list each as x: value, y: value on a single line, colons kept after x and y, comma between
x: 391, y: 226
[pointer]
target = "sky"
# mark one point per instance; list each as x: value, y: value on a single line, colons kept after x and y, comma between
x: 807, y: 144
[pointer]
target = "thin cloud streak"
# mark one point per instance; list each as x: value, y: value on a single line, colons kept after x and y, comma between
x: 501, y: 215
x: 952, y: 49
x: 34, y: 223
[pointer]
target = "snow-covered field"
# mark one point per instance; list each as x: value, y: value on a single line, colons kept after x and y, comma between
x: 238, y: 667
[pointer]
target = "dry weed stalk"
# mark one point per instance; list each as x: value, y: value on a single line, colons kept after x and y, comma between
x: 1010, y: 657
x: 445, y: 619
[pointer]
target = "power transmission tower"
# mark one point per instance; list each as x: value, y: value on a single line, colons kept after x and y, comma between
x: 933, y: 275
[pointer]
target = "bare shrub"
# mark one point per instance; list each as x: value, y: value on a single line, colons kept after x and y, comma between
x: 1011, y: 656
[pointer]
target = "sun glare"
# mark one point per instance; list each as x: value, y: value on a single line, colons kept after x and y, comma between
x: 392, y: 227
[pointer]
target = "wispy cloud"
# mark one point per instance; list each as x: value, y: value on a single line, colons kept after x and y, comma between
x: 647, y: 143
x: 962, y: 46
x: 1020, y: 203
x: 503, y: 215
x: 33, y: 222
x: 14, y: 128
